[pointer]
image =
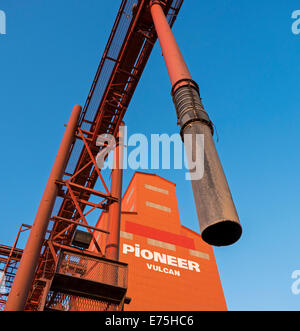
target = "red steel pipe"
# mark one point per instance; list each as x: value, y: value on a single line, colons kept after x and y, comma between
x: 28, y: 264
x: 175, y: 63
x: 114, y: 213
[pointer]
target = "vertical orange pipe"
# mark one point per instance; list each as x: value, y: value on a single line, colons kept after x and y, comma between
x: 114, y: 213
x: 175, y: 63
x: 28, y: 264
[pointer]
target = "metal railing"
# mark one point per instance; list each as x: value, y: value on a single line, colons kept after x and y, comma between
x: 87, y: 282
x: 89, y: 267
x: 59, y: 301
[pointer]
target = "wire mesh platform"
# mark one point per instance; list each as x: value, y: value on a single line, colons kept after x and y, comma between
x: 87, y: 282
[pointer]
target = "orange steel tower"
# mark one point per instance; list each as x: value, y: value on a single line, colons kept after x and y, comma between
x: 166, y: 260
x: 58, y: 269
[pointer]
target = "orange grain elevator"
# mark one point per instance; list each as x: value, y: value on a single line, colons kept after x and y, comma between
x: 170, y: 267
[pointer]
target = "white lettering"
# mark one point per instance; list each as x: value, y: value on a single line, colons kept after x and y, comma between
x: 163, y: 270
x: 156, y: 139
x: 104, y: 158
x: 140, y: 152
x: 182, y: 263
x: 194, y: 160
x: 127, y: 249
x: 172, y: 261
x: 193, y: 265
x: 138, y: 158
x: 161, y: 258
x: 2, y: 22
x: 296, y: 285
x: 122, y: 321
x: 137, y: 250
x: 147, y: 255
x: 296, y: 24
x: 3, y: 288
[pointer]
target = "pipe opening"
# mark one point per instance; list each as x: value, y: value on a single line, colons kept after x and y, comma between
x: 223, y: 233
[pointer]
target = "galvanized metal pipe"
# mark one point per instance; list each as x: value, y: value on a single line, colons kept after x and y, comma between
x: 218, y: 219
x: 30, y: 258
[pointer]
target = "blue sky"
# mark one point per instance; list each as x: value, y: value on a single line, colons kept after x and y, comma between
x: 245, y: 58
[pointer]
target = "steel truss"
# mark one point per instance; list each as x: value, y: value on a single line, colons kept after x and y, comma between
x: 126, y: 54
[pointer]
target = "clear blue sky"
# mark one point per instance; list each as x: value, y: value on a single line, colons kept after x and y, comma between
x: 246, y: 60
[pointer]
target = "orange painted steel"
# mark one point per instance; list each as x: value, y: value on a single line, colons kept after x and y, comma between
x: 114, y: 212
x: 175, y: 63
x: 31, y: 255
x: 126, y: 54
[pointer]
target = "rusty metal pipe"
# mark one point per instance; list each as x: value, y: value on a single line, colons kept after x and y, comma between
x: 28, y: 264
x: 218, y: 219
x: 217, y: 215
